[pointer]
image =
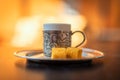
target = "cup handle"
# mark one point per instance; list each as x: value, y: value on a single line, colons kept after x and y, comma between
x: 84, y: 37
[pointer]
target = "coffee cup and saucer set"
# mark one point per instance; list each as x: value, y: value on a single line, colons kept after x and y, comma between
x: 58, y: 35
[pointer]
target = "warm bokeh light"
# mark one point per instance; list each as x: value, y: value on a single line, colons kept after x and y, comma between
x: 21, y: 20
x: 28, y: 30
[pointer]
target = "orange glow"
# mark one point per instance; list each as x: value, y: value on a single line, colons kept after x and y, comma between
x: 28, y: 31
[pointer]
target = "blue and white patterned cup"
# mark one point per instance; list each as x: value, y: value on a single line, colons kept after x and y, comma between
x: 58, y: 35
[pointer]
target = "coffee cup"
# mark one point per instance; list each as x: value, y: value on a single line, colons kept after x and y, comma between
x: 58, y: 35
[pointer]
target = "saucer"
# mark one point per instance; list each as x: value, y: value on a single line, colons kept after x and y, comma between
x: 38, y: 55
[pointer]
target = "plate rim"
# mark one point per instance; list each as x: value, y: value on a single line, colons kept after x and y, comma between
x: 49, y: 59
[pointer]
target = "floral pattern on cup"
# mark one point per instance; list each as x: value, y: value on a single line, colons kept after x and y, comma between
x: 56, y: 39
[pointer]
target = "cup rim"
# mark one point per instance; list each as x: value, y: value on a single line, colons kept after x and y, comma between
x: 57, y: 26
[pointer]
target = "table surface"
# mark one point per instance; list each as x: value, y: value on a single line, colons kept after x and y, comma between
x: 107, y: 68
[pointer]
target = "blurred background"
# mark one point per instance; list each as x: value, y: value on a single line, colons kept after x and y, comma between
x: 21, y: 20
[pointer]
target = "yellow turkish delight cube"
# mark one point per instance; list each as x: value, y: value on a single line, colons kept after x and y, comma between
x: 58, y: 53
x: 74, y: 53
